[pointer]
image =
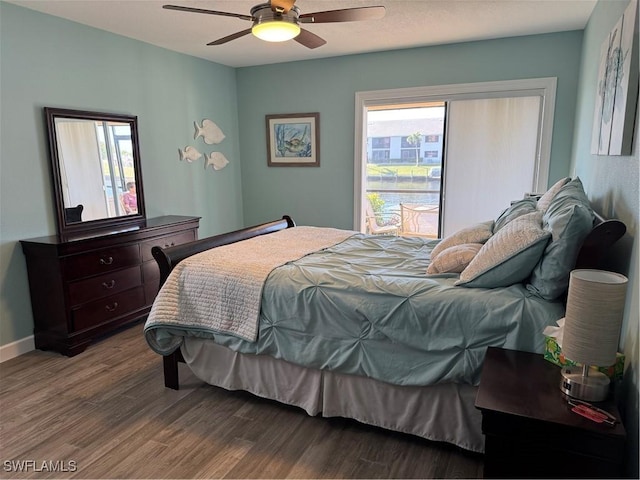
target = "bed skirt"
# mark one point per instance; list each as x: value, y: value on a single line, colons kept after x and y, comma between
x: 442, y: 413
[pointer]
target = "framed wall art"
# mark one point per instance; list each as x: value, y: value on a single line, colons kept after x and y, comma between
x: 293, y: 140
x: 617, y: 91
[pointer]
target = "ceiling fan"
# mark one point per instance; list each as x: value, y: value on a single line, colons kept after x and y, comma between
x: 279, y: 20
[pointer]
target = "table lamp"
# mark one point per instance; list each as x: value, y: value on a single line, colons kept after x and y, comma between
x: 595, y: 305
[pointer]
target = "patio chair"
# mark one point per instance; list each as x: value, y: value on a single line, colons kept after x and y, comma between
x: 372, y: 219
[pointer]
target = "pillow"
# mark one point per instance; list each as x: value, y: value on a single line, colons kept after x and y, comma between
x: 545, y: 200
x: 454, y: 259
x: 517, y: 208
x: 509, y: 256
x: 569, y: 219
x: 478, y: 233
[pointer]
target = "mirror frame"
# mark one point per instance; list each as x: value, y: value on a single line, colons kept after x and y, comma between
x: 69, y: 228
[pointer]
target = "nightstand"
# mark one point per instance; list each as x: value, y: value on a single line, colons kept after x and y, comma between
x: 529, y: 429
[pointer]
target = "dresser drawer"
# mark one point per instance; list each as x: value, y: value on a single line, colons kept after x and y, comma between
x: 101, y: 311
x: 101, y: 261
x: 164, y: 242
x: 151, y: 275
x: 93, y: 288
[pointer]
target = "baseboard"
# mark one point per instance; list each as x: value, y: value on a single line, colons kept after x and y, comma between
x: 14, y: 349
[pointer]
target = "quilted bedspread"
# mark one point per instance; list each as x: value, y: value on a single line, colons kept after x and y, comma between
x: 365, y: 306
x: 219, y: 290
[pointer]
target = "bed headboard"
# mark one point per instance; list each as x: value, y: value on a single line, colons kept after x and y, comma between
x: 603, y: 235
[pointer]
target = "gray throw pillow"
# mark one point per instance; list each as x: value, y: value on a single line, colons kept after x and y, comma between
x: 569, y: 219
x: 517, y: 209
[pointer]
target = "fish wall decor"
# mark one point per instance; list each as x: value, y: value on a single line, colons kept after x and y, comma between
x: 189, y: 154
x: 217, y: 160
x: 209, y: 131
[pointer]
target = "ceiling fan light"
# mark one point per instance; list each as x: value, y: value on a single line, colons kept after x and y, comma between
x: 279, y: 30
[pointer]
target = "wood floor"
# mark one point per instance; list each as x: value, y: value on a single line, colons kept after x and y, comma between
x: 106, y: 414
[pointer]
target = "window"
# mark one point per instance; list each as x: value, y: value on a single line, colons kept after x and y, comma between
x: 542, y: 89
x: 407, y: 142
x: 380, y: 152
x: 405, y: 190
x: 406, y: 154
x: 381, y: 142
x: 380, y: 155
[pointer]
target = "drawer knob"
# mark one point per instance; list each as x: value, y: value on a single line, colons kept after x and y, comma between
x: 112, y: 307
x: 109, y: 285
x: 106, y: 261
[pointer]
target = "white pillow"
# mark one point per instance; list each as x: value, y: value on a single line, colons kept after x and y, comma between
x: 509, y: 256
x: 454, y: 259
x: 478, y: 233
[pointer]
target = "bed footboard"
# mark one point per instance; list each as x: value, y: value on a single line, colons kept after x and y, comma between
x: 168, y: 258
x: 170, y: 367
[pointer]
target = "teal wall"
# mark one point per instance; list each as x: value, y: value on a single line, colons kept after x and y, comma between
x: 47, y: 61
x: 324, y: 196
x: 612, y: 183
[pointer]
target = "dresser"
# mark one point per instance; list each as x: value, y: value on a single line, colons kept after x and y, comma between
x: 86, y: 286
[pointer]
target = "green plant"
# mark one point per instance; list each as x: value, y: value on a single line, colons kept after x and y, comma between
x: 376, y: 202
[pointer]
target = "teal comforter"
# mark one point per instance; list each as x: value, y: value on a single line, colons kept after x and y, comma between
x: 366, y: 307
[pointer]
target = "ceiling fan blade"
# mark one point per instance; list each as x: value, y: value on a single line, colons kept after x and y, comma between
x: 344, y: 15
x: 282, y: 5
x: 180, y: 8
x: 228, y: 38
x: 309, y: 40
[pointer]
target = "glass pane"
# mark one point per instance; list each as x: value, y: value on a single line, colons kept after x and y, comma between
x: 403, y: 179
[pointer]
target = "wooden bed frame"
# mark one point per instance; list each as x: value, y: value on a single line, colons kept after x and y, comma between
x: 168, y: 258
x: 604, y: 234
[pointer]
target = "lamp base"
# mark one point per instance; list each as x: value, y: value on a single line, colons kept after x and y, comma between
x: 592, y: 388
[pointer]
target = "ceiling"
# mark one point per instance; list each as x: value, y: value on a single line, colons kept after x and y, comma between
x: 407, y: 23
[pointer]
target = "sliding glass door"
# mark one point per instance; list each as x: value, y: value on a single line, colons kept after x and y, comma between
x: 432, y: 160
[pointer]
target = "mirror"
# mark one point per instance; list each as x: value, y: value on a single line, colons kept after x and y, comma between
x: 97, y: 177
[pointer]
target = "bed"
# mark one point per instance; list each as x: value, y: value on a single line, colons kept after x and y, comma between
x: 387, y: 330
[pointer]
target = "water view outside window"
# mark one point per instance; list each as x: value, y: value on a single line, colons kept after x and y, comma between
x: 403, y: 184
